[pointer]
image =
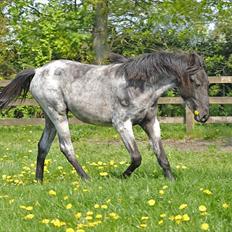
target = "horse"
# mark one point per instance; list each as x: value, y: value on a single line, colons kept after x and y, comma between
x: 120, y: 94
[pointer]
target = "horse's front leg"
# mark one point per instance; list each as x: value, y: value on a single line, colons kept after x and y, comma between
x: 152, y: 128
x: 126, y: 132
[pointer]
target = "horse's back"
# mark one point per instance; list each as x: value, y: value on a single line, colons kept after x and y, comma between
x: 86, y: 90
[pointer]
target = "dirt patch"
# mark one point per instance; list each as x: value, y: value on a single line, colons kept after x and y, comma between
x: 224, y: 145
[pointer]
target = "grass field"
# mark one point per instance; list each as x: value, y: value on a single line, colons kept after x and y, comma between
x: 200, y: 198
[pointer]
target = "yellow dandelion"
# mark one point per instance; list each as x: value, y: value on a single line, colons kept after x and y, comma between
x: 29, y: 216
x: 122, y: 162
x: 204, y: 226
x: 112, y: 162
x: 172, y: 218
x: 65, y: 198
x: 103, y: 174
x: 88, y: 217
x: 204, y: 213
x: 162, y: 215
x: 160, y: 222
x: 114, y: 216
x: 96, y: 206
x: 185, y: 218
x: 91, y: 224
x: 144, y: 218
x: 143, y: 225
x: 202, y: 208
x: 225, y: 206
x: 104, y: 206
x: 57, y: 223
x: 98, y: 216
x: 69, y: 230
x: 11, y: 201
x: 183, y: 206
x: 80, y: 230
x: 161, y: 192
x: 207, y: 192
x: 151, y: 202
x: 80, y: 225
x: 89, y: 213
x: 52, y: 193
x: 98, y: 222
x: 78, y: 215
x: 68, y: 206
x: 45, y: 221
x: 47, y: 161
x: 178, y: 217
x: 108, y: 201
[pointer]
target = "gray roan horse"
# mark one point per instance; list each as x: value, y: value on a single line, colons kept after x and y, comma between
x: 121, y: 94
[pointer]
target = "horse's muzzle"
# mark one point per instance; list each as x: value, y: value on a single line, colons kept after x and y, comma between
x: 202, y: 119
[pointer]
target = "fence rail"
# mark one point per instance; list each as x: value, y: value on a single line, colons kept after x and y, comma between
x: 188, y: 119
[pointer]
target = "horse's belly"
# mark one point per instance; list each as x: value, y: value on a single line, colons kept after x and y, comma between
x: 90, y: 99
x: 92, y: 112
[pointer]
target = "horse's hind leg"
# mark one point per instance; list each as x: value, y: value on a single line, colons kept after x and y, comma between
x: 44, y: 145
x: 152, y: 128
x: 127, y: 135
x: 67, y: 148
x: 60, y: 122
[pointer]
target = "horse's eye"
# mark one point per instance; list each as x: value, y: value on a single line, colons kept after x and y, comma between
x: 198, y: 83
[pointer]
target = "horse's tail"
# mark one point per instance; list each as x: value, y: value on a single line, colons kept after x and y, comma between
x: 18, y: 87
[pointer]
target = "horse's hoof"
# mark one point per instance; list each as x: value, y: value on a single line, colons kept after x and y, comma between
x: 169, y: 176
x: 86, y: 178
x: 38, y: 181
x: 125, y: 175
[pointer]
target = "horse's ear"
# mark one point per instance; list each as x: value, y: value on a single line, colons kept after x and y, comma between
x: 116, y: 58
x: 195, y: 60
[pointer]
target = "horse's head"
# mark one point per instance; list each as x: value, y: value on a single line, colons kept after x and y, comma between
x: 194, y: 88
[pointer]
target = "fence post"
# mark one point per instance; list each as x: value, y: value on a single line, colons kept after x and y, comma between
x: 189, y: 120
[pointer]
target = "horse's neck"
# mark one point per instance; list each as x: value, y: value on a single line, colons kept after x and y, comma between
x: 164, y: 83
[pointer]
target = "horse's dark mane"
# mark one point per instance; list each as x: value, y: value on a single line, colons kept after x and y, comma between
x: 149, y: 67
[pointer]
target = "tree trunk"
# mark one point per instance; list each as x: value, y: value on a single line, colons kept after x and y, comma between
x: 100, y: 45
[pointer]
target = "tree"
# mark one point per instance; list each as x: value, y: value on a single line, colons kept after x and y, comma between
x: 100, y: 34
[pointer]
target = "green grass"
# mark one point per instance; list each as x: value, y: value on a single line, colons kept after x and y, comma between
x: 196, y: 170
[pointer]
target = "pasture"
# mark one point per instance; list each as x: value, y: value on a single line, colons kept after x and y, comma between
x: 200, y: 198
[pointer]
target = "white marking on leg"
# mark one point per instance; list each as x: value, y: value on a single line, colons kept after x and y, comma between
x: 128, y: 127
x: 125, y: 129
x: 156, y: 128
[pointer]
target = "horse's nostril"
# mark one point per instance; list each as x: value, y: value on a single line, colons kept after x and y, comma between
x: 204, y: 118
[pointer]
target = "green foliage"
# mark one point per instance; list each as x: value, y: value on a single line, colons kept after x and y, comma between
x: 22, y: 112
x: 49, y: 31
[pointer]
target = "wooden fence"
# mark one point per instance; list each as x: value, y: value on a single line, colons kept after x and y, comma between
x: 188, y: 119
